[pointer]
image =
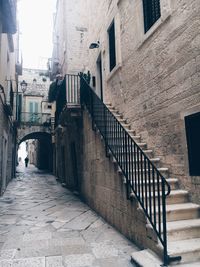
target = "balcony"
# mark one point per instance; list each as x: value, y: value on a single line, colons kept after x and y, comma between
x: 66, y: 94
x: 36, y: 119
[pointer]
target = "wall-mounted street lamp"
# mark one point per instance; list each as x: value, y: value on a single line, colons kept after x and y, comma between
x: 23, y: 86
x: 94, y: 45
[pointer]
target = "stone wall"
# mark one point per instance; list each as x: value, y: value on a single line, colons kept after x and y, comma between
x: 68, y: 149
x: 7, y: 157
x: 70, y: 36
x: 157, y: 77
x: 103, y: 189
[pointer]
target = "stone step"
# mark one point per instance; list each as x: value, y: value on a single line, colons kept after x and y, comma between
x: 175, y: 197
x: 184, y: 229
x: 148, y: 152
x: 183, y: 211
x: 155, y: 161
x: 142, y: 145
x: 125, y: 125
x: 108, y: 104
x: 111, y: 135
x: 188, y: 249
x: 163, y: 171
x: 147, y: 258
x: 180, y: 211
x: 132, y: 132
x: 173, y: 182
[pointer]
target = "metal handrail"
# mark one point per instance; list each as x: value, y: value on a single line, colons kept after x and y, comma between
x: 142, y: 177
x: 35, y: 118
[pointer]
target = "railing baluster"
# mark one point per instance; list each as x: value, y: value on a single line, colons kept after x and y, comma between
x: 142, y: 177
x: 164, y: 220
x: 135, y: 168
x: 146, y: 184
x: 159, y: 211
x: 154, y: 195
x: 138, y: 170
x: 149, y: 193
x: 132, y: 167
x: 126, y: 164
x: 129, y: 161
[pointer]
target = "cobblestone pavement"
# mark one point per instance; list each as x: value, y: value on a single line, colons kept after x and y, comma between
x: 43, y: 224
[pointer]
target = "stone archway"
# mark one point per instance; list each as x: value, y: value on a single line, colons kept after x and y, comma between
x: 24, y: 133
x: 44, y: 148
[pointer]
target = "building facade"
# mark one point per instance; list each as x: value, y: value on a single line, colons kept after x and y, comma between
x: 143, y: 57
x: 8, y: 88
x: 146, y: 64
x: 35, y: 117
x: 152, y: 77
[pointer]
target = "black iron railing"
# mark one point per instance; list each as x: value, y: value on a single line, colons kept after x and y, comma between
x: 35, y: 118
x: 143, y: 179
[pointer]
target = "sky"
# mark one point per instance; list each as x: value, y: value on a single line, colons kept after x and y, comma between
x: 22, y: 152
x: 36, y: 25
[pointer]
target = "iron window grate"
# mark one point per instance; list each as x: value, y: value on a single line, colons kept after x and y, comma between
x: 152, y: 13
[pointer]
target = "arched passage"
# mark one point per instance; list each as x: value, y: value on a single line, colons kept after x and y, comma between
x: 44, y: 149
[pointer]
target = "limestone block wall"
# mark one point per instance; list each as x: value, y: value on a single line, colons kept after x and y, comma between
x: 70, y: 36
x: 102, y: 188
x: 157, y: 77
x: 7, y: 164
x: 68, y: 147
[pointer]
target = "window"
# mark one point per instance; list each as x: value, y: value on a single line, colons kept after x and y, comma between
x: 33, y: 112
x: 151, y: 13
x: 112, y: 49
x: 192, y: 126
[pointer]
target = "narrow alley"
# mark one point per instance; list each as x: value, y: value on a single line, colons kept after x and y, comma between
x: 43, y: 224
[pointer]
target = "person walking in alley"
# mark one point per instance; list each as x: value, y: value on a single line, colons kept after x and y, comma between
x: 26, y: 161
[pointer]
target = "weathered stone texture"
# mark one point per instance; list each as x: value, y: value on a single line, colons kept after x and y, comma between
x: 6, y: 129
x: 159, y: 76
x: 103, y: 189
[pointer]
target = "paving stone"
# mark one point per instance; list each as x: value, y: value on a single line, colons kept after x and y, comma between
x: 40, y: 236
x: 113, y: 262
x: 43, y: 224
x: 103, y: 250
x: 81, y: 260
x: 31, y: 262
x: 83, y: 221
x: 7, y: 254
x: 55, y: 261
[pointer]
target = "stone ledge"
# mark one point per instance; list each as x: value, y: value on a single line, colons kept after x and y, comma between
x: 145, y: 258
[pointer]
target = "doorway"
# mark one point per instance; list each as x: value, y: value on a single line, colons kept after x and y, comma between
x: 4, y: 162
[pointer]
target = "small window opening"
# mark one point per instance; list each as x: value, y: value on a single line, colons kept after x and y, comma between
x: 152, y: 13
x: 192, y: 126
x: 112, y: 49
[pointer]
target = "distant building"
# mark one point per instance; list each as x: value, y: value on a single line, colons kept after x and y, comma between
x: 35, y: 117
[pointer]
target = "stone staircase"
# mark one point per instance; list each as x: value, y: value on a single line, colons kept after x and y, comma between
x: 183, y: 217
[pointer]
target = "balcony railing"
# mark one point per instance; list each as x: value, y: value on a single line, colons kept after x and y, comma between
x: 67, y: 94
x: 34, y: 118
x: 73, y: 90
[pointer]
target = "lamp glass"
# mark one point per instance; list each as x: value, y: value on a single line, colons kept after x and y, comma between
x: 23, y: 86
